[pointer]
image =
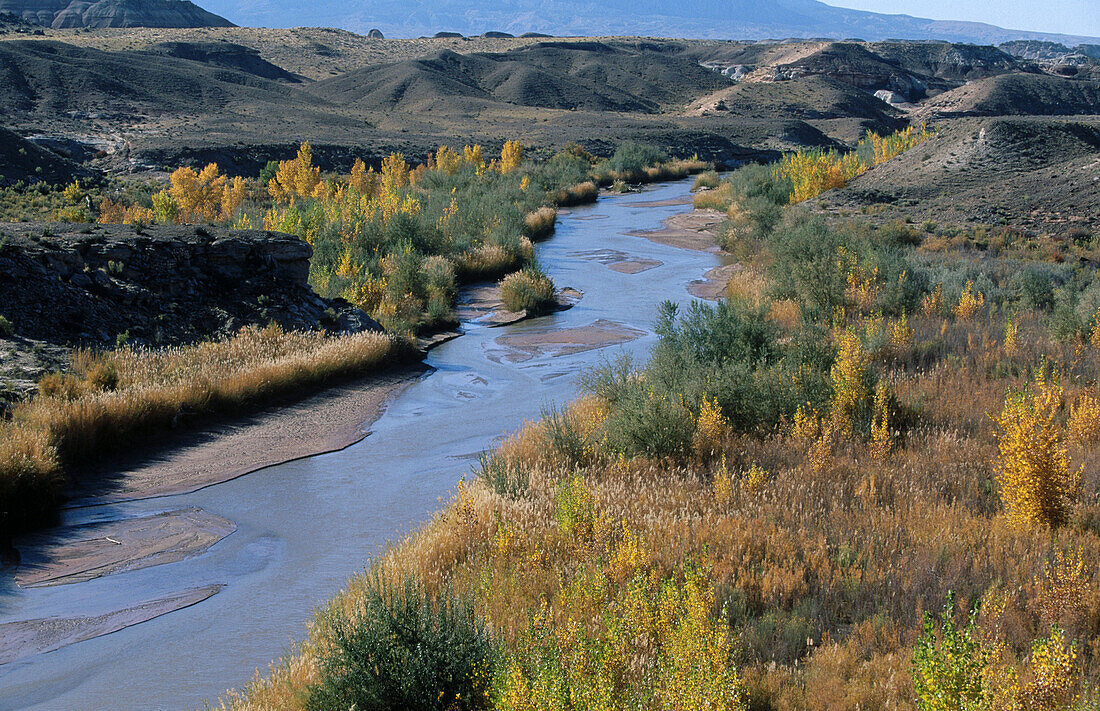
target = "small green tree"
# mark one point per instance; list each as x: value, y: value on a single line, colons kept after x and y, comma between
x: 948, y: 666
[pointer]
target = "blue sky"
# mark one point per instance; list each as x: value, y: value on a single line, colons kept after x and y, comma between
x: 1074, y: 17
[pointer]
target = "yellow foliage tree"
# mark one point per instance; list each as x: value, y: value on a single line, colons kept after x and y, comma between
x: 1084, y: 421
x: 1037, y: 486
x: 711, y: 429
x: 473, y: 155
x: 297, y: 178
x: 205, y: 196
x: 511, y: 156
x: 395, y: 173
x: 848, y: 378
x: 1053, y: 675
x: 362, y: 179
x: 970, y: 302
x: 448, y: 160
x: 198, y: 194
x: 111, y: 212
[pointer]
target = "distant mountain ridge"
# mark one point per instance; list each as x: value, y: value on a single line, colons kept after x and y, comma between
x: 66, y: 14
x: 701, y: 19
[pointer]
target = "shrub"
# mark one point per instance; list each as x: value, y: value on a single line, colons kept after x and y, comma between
x: 528, y: 289
x: 948, y: 665
x: 578, y: 194
x: 7, y: 330
x: 969, y: 302
x: 1053, y: 674
x: 539, y: 223
x: 509, y: 479
x: 648, y: 423
x: 631, y: 159
x: 402, y: 649
x: 708, y: 179
x: 652, y: 645
x: 1037, y: 486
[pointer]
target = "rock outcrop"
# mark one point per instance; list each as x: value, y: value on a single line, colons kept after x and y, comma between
x: 89, y: 285
x: 224, y: 54
x: 24, y: 161
x: 65, y: 14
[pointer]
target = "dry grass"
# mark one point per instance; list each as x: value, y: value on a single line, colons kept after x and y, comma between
x: 490, y: 260
x: 539, y: 224
x: 822, y: 573
x: 672, y: 170
x: 111, y: 397
x: 579, y: 194
x: 818, y: 545
x: 528, y: 289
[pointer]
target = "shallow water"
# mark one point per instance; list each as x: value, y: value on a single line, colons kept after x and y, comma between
x: 306, y: 526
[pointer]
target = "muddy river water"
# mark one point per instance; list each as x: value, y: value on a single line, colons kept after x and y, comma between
x: 291, y: 535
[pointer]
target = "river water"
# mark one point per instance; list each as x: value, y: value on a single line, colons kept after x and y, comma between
x: 304, y: 527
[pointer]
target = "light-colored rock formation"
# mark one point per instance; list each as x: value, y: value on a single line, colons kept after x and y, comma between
x: 65, y: 14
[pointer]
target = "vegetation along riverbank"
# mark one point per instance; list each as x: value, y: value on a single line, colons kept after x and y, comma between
x: 861, y: 480
x: 393, y: 243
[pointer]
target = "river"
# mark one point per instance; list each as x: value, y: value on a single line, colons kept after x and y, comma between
x: 304, y: 527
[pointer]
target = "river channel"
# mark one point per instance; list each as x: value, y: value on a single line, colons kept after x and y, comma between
x: 304, y: 527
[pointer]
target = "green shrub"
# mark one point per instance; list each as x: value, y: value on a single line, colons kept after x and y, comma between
x: 804, y: 262
x: 708, y: 179
x: 511, y: 480
x: 528, y: 289
x: 650, y: 423
x: 567, y: 443
x: 1035, y: 287
x: 268, y: 171
x: 948, y: 664
x: 7, y: 330
x: 400, y: 649
x: 632, y: 158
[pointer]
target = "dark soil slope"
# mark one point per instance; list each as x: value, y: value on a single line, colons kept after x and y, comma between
x: 226, y: 55
x: 1019, y: 95
x: 52, y: 79
x: 1033, y: 173
x: 589, y: 76
x: 23, y: 160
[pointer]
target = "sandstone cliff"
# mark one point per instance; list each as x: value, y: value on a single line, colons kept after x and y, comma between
x: 62, y: 14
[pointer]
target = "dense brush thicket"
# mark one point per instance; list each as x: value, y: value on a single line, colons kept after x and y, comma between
x: 765, y: 514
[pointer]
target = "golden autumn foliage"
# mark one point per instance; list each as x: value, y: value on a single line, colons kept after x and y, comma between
x: 812, y: 172
x: 111, y: 212
x: 711, y: 429
x: 848, y: 377
x: 511, y: 156
x: 295, y: 179
x: 1084, y: 421
x: 205, y: 196
x: 395, y: 173
x: 970, y: 302
x: 1037, y: 485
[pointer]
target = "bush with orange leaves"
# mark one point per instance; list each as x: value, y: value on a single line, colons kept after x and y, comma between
x: 111, y: 212
x: 205, y: 196
x: 1037, y: 485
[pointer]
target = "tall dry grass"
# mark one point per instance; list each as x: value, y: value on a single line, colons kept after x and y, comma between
x: 109, y: 398
x: 817, y: 543
x: 671, y: 170
x: 579, y: 194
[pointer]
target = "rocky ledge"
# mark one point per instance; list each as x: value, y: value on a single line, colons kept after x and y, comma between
x: 64, y: 286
